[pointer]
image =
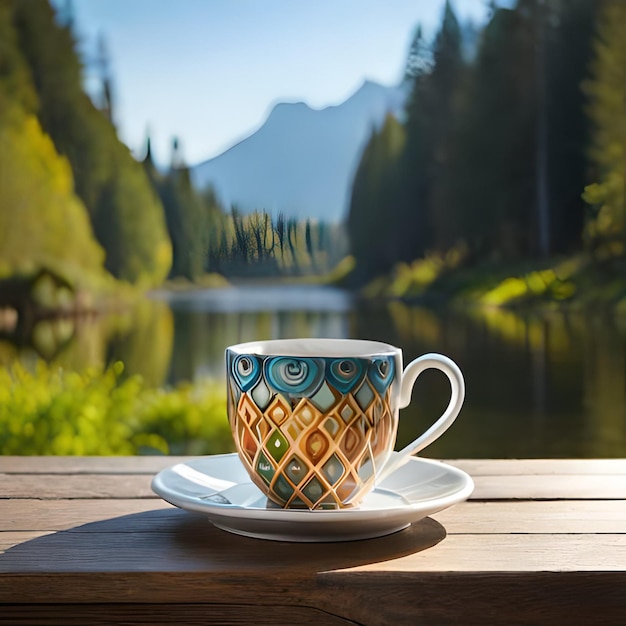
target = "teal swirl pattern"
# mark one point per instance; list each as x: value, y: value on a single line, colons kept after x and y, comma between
x: 246, y: 370
x: 290, y: 375
x: 381, y: 373
x: 303, y: 376
x: 344, y: 374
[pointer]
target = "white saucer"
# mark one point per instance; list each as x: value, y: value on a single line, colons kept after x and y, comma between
x: 220, y: 487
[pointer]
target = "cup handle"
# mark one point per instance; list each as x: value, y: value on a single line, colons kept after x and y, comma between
x: 409, y: 376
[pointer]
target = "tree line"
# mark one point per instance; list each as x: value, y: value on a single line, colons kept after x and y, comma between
x: 75, y: 201
x: 206, y: 238
x: 513, y: 151
x: 72, y: 197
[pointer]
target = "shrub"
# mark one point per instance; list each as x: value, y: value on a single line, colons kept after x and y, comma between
x: 53, y: 411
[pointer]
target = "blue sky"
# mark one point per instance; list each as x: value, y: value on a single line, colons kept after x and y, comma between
x: 209, y: 71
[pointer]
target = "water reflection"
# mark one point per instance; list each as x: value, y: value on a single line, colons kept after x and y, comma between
x: 538, y: 385
x: 142, y: 337
x: 550, y: 385
x: 261, y: 298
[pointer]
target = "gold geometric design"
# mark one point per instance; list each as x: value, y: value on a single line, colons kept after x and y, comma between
x: 261, y: 395
x: 308, y: 458
x: 364, y: 395
x: 306, y: 412
x: 314, y: 446
x: 292, y: 427
x: 333, y: 426
x: 248, y: 410
x: 248, y: 443
x: 325, y: 397
x: 348, y: 409
x: 382, y: 435
x: 375, y: 411
x: 278, y: 410
x: 262, y: 428
x: 350, y: 444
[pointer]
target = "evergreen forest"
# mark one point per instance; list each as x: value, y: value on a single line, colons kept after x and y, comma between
x: 503, y: 178
x: 76, y: 203
x: 511, y: 152
x: 511, y: 149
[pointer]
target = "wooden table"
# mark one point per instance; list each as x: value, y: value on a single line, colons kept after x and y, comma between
x: 84, y: 541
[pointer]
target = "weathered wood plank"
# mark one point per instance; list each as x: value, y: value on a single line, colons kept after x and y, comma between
x: 156, y: 614
x: 153, y: 464
x: 424, y: 548
x: 181, y: 542
x: 484, y: 598
x: 54, y: 515
x: 549, y: 487
x: 488, y: 487
x: 534, y: 517
x: 514, y: 553
x: 87, y: 464
x: 538, y: 544
x: 364, y: 596
x: 11, y: 539
x: 467, y: 598
x: 545, y: 467
x: 499, y: 517
x: 60, y: 486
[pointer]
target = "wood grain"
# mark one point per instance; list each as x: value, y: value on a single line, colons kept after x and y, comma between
x: 87, y: 465
x: 152, y: 464
x: 535, y: 517
x: 187, y: 614
x: 363, y: 598
x: 212, y: 551
x: 84, y: 540
x: 51, y: 515
x: 552, y: 517
x: 549, y: 487
x: 75, y: 486
x: 487, y: 487
x: 545, y: 467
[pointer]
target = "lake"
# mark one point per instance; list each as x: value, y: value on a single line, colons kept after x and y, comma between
x: 550, y: 385
x: 538, y: 385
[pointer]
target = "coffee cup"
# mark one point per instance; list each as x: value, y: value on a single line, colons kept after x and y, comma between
x: 315, y: 420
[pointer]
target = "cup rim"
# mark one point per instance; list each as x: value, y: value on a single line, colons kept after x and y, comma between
x: 316, y: 347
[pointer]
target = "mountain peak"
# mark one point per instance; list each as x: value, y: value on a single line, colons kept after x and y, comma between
x: 302, y: 160
x: 282, y: 109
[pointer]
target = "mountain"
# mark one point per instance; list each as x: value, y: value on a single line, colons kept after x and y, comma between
x: 302, y: 160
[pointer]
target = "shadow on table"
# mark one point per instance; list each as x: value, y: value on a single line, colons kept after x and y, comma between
x: 167, y: 539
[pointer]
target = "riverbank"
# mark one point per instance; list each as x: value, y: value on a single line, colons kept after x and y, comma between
x: 576, y: 283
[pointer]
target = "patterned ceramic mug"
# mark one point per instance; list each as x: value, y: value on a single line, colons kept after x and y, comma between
x: 315, y: 420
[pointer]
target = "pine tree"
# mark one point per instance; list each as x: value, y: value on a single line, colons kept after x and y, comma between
x: 39, y: 212
x: 424, y: 221
x: 488, y: 183
x: 371, y: 223
x: 188, y: 214
x: 419, y: 59
x: 126, y: 215
x: 606, y: 226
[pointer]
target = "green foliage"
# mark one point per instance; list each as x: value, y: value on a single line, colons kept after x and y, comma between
x: 34, y: 176
x: 126, y: 215
x: 39, y: 212
x: 15, y: 83
x: 192, y: 218
x: 489, y: 195
x: 606, y: 228
x: 257, y: 244
x: 494, y: 149
x: 392, y: 214
x: 51, y: 411
x: 373, y: 215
